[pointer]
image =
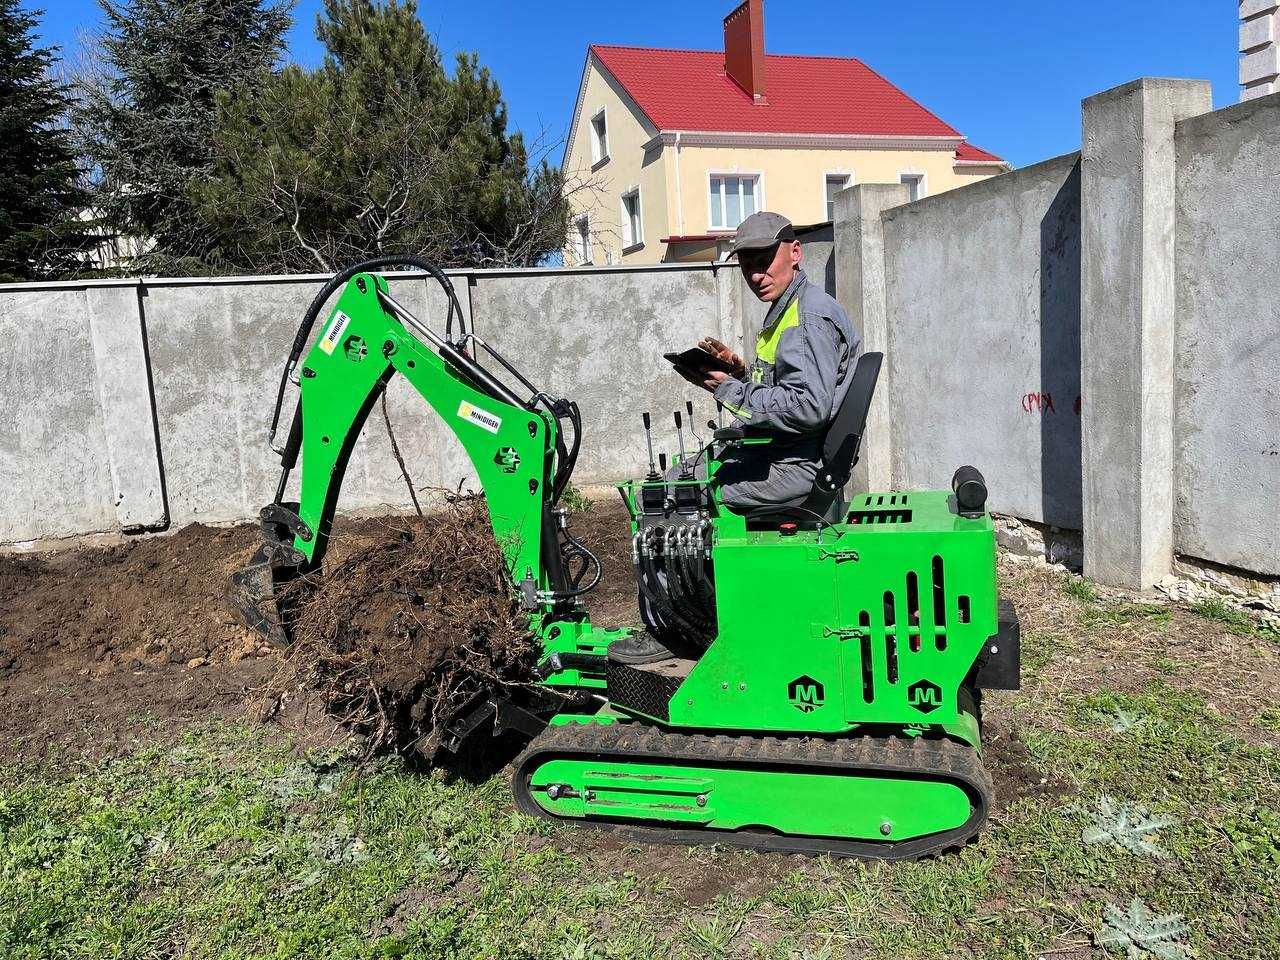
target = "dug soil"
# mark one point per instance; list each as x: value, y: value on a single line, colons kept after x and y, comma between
x: 104, y: 648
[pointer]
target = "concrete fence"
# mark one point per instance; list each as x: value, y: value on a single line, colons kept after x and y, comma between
x: 1099, y: 333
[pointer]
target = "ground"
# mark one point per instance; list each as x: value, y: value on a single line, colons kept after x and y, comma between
x: 146, y: 810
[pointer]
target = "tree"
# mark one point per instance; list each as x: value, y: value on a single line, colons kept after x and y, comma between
x: 378, y: 150
x: 145, y: 114
x: 41, y: 233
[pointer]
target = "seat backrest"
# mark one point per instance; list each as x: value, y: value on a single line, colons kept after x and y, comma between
x: 844, y: 435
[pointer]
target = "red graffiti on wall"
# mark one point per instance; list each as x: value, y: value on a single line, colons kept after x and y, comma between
x: 1042, y: 402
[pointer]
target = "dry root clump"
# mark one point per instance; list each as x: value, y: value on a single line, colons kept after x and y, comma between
x: 409, y: 629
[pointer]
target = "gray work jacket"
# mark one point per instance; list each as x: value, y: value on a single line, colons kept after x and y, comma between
x: 800, y: 372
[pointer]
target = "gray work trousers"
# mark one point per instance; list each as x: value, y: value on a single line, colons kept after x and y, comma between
x: 754, y: 477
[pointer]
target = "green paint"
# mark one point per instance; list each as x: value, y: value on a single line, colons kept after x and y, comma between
x: 814, y: 804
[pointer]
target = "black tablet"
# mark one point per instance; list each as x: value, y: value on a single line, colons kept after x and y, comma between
x: 697, y: 359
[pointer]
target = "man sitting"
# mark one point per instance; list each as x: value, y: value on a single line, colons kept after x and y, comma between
x: 804, y: 358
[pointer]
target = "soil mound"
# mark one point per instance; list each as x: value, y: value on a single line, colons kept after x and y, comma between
x: 152, y: 601
x: 409, y: 628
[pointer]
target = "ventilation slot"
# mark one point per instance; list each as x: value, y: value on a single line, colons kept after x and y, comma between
x: 939, y: 605
x: 868, y: 685
x: 964, y: 608
x: 891, y: 656
x: 888, y: 515
x: 913, y: 611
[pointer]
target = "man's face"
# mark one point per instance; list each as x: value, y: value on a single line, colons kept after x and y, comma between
x: 769, y: 272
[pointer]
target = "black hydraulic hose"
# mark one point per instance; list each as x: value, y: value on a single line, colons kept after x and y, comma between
x: 570, y: 459
x: 336, y: 282
x: 594, y: 561
x: 662, y: 601
x: 691, y: 568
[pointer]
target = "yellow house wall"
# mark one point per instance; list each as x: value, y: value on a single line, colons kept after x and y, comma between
x: 793, y: 180
x: 626, y: 167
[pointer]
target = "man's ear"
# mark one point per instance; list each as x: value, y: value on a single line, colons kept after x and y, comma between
x: 797, y: 253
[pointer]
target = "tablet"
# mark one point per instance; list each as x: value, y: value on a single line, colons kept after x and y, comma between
x: 696, y: 358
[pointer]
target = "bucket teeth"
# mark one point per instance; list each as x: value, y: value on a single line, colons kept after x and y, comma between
x: 253, y: 595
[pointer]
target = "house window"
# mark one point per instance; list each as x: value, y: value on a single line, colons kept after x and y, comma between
x: 915, y: 184
x: 632, y: 225
x: 582, y: 239
x: 733, y: 199
x: 835, y: 183
x: 599, y: 138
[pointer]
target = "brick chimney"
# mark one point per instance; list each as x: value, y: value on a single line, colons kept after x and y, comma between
x: 744, y: 47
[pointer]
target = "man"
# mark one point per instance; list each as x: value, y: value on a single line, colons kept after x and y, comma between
x: 804, y: 359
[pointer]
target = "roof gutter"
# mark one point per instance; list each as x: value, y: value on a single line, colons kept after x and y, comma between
x: 828, y: 141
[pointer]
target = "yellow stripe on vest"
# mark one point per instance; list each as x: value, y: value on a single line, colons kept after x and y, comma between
x: 767, y: 342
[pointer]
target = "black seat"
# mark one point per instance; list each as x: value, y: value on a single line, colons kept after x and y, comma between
x: 844, y: 436
x: 840, y: 448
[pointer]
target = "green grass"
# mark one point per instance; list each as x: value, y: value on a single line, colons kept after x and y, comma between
x: 229, y: 845
x: 1081, y: 589
x: 576, y: 501
x: 1235, y: 620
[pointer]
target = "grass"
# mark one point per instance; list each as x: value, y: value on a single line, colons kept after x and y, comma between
x: 230, y: 844
x: 1237, y: 621
x: 576, y: 501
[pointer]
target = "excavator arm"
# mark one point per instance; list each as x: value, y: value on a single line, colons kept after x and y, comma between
x: 515, y: 444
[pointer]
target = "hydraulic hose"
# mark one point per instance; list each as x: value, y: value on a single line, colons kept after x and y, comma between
x: 335, y: 283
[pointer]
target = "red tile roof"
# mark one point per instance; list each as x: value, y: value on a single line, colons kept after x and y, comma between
x: 688, y: 90
x: 968, y: 153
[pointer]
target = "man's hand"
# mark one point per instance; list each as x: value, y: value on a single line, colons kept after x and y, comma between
x: 706, y: 379
x: 725, y: 355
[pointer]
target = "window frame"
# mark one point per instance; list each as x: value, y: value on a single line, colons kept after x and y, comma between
x: 599, y: 145
x: 582, y: 240
x: 631, y: 239
x: 923, y: 180
x: 828, y: 175
x: 756, y: 175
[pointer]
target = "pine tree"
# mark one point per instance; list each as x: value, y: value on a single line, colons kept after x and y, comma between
x: 379, y: 150
x: 145, y: 121
x: 41, y: 235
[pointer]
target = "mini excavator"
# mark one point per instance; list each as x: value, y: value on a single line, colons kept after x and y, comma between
x: 826, y: 692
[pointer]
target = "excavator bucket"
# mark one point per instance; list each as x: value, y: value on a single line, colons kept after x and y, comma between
x: 254, y: 595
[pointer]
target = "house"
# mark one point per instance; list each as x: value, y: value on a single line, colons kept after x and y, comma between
x: 670, y: 149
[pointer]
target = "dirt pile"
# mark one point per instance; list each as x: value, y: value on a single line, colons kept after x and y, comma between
x: 153, y: 601
x: 408, y: 628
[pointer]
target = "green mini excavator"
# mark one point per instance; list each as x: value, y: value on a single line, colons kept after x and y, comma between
x: 824, y: 689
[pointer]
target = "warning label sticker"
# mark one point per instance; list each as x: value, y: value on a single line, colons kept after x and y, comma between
x: 337, y: 326
x: 481, y: 418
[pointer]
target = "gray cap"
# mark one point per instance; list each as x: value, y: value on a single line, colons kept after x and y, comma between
x: 762, y: 230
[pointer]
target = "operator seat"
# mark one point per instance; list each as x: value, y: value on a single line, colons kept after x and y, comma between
x: 840, y: 447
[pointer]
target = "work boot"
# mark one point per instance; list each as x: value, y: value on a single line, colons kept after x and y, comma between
x: 639, y: 648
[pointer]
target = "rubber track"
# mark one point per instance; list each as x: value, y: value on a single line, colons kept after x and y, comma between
x: 887, y: 756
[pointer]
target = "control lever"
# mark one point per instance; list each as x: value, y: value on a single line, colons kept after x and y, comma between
x: 648, y: 439
x: 688, y: 405
x: 684, y: 462
x: 662, y: 462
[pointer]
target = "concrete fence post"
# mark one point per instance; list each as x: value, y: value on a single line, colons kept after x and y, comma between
x: 1127, y: 338
x: 124, y: 393
x: 860, y: 288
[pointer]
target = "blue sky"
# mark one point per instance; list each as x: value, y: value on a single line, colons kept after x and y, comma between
x: 1008, y: 75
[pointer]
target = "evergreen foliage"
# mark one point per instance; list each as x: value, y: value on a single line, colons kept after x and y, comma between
x: 145, y: 117
x: 378, y: 150
x: 41, y: 234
